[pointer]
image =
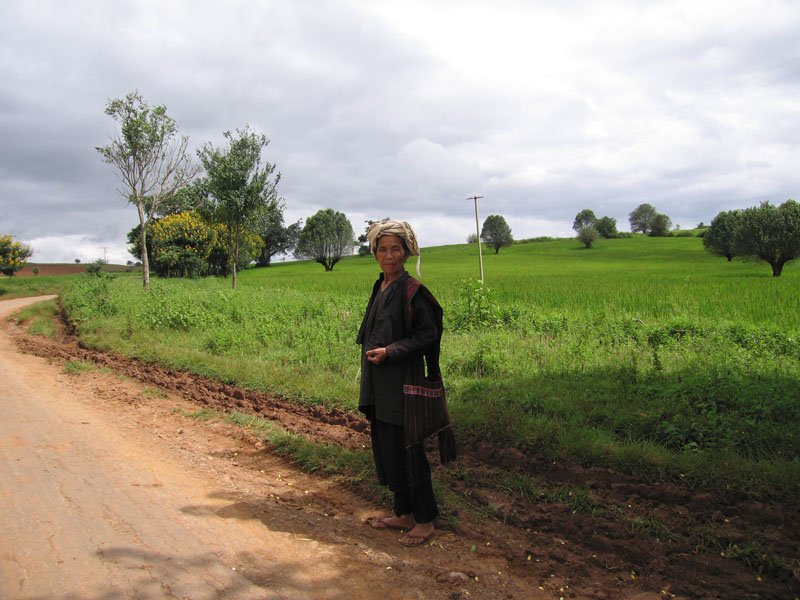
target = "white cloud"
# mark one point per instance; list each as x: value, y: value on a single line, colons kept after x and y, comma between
x: 66, y: 248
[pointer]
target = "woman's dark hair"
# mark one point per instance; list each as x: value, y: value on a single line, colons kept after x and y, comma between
x: 406, y: 251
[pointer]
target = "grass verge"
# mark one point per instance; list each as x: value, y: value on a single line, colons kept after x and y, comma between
x: 39, y: 319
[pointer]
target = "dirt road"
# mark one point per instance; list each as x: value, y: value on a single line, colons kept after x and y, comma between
x: 92, y: 508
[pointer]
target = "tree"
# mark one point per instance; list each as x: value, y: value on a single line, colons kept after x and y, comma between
x: 659, y: 226
x: 187, y: 199
x: 277, y: 238
x: 496, y: 232
x: 326, y: 237
x: 770, y: 233
x: 585, y: 218
x: 606, y: 227
x: 181, y: 245
x: 13, y: 255
x: 219, y: 260
x: 95, y: 267
x: 363, y: 239
x: 135, y: 243
x: 641, y: 218
x: 151, y: 160
x: 588, y: 236
x: 238, y: 187
x: 722, y: 237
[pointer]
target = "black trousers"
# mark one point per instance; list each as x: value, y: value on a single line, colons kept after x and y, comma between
x: 388, y: 448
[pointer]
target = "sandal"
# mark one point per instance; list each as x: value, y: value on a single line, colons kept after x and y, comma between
x: 412, y: 541
x: 380, y: 523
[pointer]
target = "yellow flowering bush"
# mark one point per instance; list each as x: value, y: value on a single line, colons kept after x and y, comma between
x: 182, y: 244
x: 13, y: 255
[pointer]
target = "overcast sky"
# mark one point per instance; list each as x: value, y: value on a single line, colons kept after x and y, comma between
x: 405, y: 109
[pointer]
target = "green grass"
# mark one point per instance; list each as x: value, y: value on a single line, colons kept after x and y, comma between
x: 23, y: 287
x: 77, y: 367
x: 644, y: 354
x: 39, y: 319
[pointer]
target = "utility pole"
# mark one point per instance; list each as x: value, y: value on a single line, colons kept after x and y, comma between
x: 105, y: 256
x: 478, y: 234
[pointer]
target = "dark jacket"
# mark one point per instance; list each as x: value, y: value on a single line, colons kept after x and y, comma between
x: 384, y: 325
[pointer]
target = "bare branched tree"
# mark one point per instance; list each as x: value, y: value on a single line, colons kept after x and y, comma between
x: 151, y: 159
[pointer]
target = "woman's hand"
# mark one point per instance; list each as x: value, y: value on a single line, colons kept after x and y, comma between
x: 377, y: 355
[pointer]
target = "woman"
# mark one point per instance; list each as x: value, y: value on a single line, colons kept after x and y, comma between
x: 400, y: 334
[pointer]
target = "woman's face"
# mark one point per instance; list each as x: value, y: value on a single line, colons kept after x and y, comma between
x: 391, y: 255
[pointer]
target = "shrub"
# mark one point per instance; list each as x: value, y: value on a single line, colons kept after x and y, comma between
x: 476, y: 308
x: 96, y: 268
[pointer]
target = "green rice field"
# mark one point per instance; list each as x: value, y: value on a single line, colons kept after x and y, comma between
x: 647, y: 355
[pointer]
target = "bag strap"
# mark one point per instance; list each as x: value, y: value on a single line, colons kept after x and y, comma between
x: 412, y: 286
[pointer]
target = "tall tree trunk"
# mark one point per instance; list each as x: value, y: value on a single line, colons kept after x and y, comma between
x: 143, y: 240
x: 234, y: 260
x: 777, y: 268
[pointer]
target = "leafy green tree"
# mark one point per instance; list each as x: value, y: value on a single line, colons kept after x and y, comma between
x: 151, y: 160
x: 659, y: 226
x: 239, y: 187
x: 219, y: 262
x: 326, y: 237
x: 588, y: 236
x: 642, y: 217
x: 606, y: 227
x: 13, y: 255
x: 276, y: 237
x: 770, y: 233
x: 585, y: 218
x: 496, y: 232
x: 187, y: 199
x: 723, y: 235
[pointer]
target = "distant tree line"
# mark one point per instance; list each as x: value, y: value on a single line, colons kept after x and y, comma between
x: 219, y: 215
x: 643, y: 219
x: 589, y: 228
